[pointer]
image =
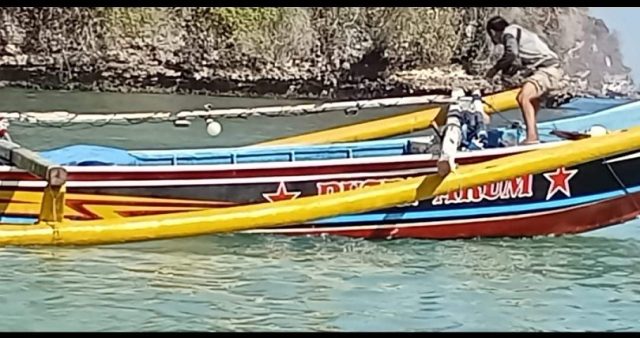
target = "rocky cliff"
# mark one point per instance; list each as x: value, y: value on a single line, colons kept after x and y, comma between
x: 296, y: 52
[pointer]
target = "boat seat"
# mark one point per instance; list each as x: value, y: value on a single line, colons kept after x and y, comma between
x: 424, y: 145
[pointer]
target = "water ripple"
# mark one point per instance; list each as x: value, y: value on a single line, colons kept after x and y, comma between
x: 276, y: 283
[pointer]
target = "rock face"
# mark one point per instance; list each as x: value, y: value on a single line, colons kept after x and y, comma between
x: 294, y: 52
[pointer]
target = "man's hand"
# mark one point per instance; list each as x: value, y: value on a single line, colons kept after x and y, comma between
x: 508, y: 58
x: 491, y: 73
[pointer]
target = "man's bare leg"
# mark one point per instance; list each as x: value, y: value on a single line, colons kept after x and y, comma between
x: 528, y: 100
x: 536, y: 104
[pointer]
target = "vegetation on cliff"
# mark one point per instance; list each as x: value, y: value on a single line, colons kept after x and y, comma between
x: 317, y: 50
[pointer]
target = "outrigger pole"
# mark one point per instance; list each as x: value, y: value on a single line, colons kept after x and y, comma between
x: 394, y: 125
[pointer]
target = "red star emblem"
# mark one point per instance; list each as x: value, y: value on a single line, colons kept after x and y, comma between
x: 560, y: 181
x: 281, y: 194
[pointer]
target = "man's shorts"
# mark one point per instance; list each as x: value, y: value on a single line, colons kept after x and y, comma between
x: 547, y: 79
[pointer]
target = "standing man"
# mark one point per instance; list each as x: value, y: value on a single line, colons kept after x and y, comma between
x: 525, y: 51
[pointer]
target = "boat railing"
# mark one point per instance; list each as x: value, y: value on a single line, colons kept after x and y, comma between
x: 280, y: 154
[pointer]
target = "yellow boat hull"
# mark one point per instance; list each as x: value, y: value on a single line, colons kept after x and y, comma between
x: 391, y: 126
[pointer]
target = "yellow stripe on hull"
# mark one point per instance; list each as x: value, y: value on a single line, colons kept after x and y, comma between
x: 269, y: 215
x: 391, y: 126
x: 28, y: 203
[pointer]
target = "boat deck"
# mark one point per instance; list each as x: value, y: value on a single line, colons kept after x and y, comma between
x: 90, y: 155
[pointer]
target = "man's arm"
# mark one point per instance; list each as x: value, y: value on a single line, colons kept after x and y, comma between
x: 508, y: 57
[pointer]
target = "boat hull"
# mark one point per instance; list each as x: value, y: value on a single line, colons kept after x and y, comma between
x: 102, y: 192
x: 571, y: 220
x: 563, y: 201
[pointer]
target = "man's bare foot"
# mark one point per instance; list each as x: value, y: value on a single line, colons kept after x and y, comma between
x: 529, y: 141
x: 445, y: 166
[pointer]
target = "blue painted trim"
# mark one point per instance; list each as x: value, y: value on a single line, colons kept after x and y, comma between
x: 435, y: 214
x: 613, y: 118
x: 479, y: 211
x: 18, y: 220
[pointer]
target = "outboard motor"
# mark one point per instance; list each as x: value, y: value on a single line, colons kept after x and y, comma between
x: 474, y: 129
x: 465, y: 129
x: 474, y: 135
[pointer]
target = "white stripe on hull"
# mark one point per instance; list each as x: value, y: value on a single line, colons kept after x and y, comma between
x: 289, y: 165
x: 623, y: 158
x: 221, y: 181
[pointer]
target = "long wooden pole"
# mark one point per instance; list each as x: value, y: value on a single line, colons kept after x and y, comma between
x: 27, y: 160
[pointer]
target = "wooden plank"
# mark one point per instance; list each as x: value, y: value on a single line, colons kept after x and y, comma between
x: 451, y: 137
x: 30, y: 161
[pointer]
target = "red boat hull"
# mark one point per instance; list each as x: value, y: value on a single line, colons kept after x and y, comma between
x: 570, y: 220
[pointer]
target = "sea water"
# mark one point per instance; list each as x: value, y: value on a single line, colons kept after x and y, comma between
x: 242, y: 282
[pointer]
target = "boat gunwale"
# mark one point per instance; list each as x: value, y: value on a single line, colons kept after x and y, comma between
x: 295, y: 164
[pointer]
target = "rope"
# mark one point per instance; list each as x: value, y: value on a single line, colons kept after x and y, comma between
x: 624, y: 187
x: 513, y: 123
x: 64, y: 119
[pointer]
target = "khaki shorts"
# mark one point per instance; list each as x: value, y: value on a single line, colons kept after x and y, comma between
x: 547, y: 79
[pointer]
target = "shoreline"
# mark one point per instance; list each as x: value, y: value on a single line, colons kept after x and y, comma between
x: 165, y: 81
x: 439, y: 80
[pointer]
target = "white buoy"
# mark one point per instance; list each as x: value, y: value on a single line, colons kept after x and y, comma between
x: 597, y: 130
x: 214, y: 128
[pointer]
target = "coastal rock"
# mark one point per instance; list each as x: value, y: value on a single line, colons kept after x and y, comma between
x: 308, y: 52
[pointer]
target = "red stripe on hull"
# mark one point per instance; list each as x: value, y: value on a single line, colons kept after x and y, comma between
x: 248, y: 173
x: 130, y: 173
x: 568, y: 221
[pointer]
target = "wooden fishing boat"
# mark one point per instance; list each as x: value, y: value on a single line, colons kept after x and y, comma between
x: 106, y: 183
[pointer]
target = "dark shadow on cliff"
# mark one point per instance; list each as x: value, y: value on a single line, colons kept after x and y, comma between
x: 366, y: 78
